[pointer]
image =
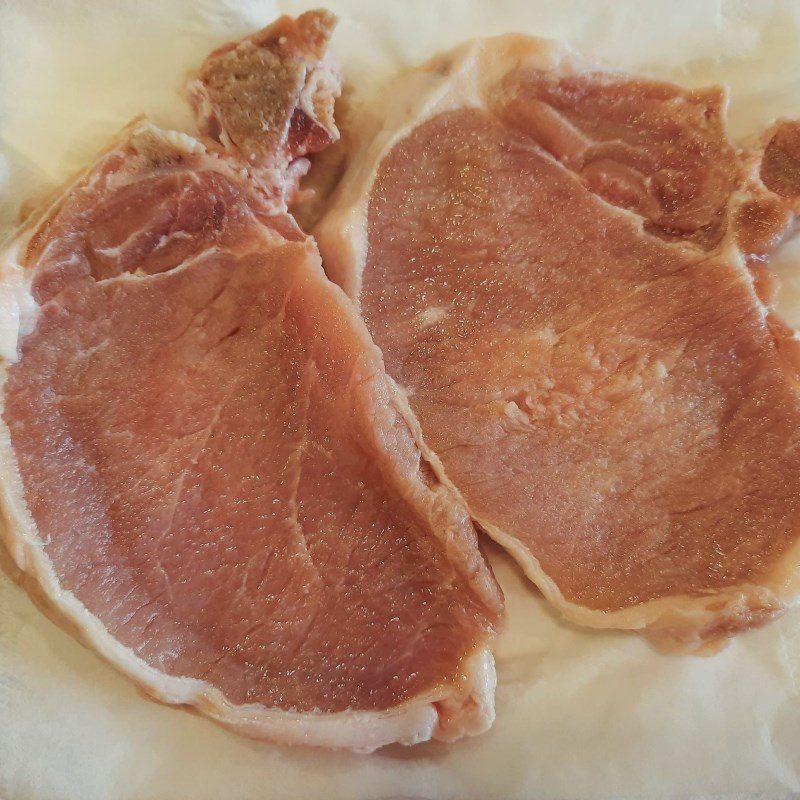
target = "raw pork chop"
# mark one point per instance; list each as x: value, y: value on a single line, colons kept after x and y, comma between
x: 545, y: 256
x: 207, y: 475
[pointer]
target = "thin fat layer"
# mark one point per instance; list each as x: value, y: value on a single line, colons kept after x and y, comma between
x: 462, y: 706
x: 492, y: 77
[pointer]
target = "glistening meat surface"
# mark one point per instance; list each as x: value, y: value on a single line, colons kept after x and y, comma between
x: 547, y: 257
x: 208, y: 477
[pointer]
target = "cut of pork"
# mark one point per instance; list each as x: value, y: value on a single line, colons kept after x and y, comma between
x: 547, y: 257
x: 207, y: 475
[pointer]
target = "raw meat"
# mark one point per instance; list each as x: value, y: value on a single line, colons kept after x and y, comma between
x: 207, y: 475
x: 270, y: 97
x: 554, y: 263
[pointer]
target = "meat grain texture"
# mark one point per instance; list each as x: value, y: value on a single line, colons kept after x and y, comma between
x: 207, y: 475
x: 567, y: 273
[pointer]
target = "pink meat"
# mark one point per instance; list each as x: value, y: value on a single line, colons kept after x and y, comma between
x: 551, y: 276
x: 214, y: 460
x: 214, y: 463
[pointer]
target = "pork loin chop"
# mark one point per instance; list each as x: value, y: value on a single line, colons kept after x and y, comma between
x: 554, y: 263
x: 207, y: 475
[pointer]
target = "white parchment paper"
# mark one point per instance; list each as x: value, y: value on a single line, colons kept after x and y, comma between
x: 580, y: 714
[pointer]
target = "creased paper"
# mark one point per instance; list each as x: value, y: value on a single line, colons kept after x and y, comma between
x: 580, y: 714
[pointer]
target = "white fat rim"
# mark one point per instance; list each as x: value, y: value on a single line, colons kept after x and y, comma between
x: 465, y: 708
x: 460, y: 79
